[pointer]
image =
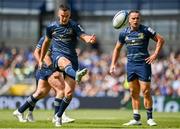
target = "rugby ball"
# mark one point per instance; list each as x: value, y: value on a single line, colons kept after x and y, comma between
x: 120, y: 19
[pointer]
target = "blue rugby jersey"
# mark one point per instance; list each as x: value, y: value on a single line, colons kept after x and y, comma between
x: 45, y: 71
x: 64, y: 37
x: 136, y: 42
x: 40, y: 42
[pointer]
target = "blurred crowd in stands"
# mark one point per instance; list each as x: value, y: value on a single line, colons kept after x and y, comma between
x: 18, y: 66
x: 165, y: 78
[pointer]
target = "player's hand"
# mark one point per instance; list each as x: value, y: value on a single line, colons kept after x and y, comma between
x: 112, y: 69
x: 92, y: 39
x: 40, y: 64
x: 151, y: 59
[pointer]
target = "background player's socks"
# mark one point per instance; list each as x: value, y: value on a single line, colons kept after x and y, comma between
x: 149, y: 113
x: 65, y: 102
x: 57, y: 103
x: 30, y: 102
x: 31, y: 108
x: 70, y: 71
x: 137, y: 117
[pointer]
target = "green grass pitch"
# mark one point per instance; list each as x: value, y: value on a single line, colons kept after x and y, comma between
x: 90, y: 119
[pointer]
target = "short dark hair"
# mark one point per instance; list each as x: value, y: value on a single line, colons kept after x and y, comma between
x: 64, y: 7
x: 134, y: 11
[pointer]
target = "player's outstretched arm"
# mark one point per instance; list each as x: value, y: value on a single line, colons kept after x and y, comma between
x: 44, y: 49
x: 88, y: 38
x: 159, y: 44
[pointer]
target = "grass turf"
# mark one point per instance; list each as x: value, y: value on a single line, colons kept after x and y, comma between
x: 90, y: 119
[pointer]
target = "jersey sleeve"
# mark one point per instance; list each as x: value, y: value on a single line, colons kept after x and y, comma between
x: 78, y: 29
x: 49, y: 31
x: 150, y: 32
x: 40, y: 42
x: 121, y: 37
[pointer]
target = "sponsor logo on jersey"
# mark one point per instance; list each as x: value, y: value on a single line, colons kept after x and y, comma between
x: 135, y: 40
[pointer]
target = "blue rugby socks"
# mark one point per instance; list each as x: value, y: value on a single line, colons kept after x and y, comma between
x: 136, y: 115
x: 149, y: 113
x: 57, y: 103
x: 30, y: 102
x: 65, y: 102
x: 70, y: 71
x: 31, y: 108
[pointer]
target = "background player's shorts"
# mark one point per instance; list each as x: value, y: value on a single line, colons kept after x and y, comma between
x: 140, y: 71
x: 44, y: 72
x: 73, y: 59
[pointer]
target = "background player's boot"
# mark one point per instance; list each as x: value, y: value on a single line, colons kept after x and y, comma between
x: 80, y: 74
x: 151, y: 122
x: 133, y: 122
x: 30, y: 117
x: 58, y: 121
x: 19, y: 116
x: 66, y: 119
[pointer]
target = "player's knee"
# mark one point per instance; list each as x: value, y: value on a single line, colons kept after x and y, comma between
x: 60, y: 94
x: 134, y: 93
x: 40, y: 94
x: 146, y: 93
x: 59, y: 88
x: 69, y: 94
